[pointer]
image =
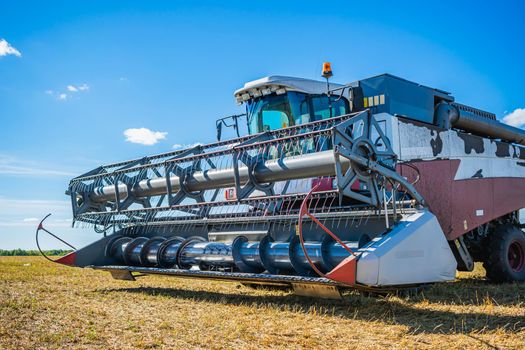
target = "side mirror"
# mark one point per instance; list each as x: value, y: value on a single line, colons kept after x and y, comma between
x: 219, y: 129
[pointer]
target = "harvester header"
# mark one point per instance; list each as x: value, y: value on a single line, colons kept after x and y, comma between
x: 379, y: 184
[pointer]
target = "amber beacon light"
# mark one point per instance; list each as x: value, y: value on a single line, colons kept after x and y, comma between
x: 327, y: 70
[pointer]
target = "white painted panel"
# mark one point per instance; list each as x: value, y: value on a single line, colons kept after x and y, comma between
x: 416, y: 142
x: 415, y: 251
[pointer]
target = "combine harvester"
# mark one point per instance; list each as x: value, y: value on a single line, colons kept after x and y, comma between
x: 379, y: 185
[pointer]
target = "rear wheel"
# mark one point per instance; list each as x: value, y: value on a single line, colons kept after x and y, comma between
x: 505, y: 261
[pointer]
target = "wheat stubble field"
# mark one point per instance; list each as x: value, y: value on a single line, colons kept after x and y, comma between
x: 47, y: 306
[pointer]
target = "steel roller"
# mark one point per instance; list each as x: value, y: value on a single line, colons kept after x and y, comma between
x: 289, y: 168
x: 241, y: 254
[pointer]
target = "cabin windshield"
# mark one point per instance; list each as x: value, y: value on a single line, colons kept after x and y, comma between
x: 274, y: 111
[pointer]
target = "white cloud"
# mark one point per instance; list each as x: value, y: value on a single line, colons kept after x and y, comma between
x: 63, y: 96
x: 144, y: 136
x: 515, y: 118
x: 24, y: 212
x: 188, y: 145
x: 30, y: 220
x: 63, y: 220
x: 18, y: 225
x: 77, y: 88
x: 13, y: 166
x: 29, y: 171
x: 7, y: 49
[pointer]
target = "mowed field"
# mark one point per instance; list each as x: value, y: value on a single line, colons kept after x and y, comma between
x: 48, y: 306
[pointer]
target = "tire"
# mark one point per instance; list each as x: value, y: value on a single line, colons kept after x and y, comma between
x: 505, y: 260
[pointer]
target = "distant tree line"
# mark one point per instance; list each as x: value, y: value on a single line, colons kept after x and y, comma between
x: 22, y: 252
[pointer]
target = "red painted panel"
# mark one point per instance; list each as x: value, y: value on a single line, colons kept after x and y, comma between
x: 323, y: 183
x: 469, y: 196
x: 67, y: 259
x: 435, y: 185
x: 509, y: 195
x: 495, y: 196
x: 345, y: 272
x: 455, y: 202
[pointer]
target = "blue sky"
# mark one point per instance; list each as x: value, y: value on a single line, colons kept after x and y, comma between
x: 74, y: 76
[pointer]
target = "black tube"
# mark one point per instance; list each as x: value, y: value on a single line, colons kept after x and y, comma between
x: 484, y: 126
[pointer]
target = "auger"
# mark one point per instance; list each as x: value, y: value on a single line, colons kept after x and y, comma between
x: 379, y: 185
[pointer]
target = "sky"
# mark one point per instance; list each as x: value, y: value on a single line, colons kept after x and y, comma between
x: 86, y: 83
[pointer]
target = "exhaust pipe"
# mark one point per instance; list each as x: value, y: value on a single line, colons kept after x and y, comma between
x: 477, y: 122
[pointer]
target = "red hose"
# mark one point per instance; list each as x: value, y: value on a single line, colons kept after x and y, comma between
x: 304, y: 210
